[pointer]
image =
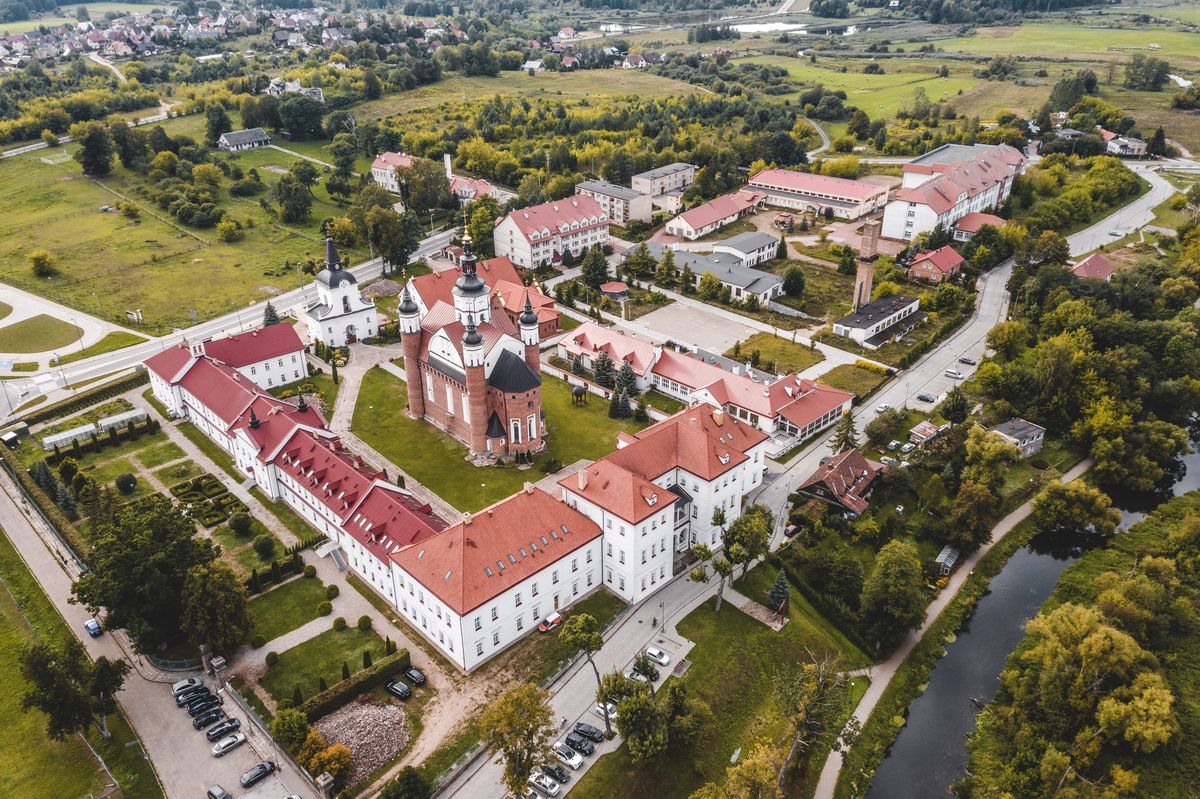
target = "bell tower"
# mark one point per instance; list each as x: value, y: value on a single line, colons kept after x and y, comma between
x: 530, y: 336
x: 472, y: 350
x: 471, y: 295
x: 410, y: 339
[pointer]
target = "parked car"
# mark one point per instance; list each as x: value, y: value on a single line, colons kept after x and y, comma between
x: 969, y: 361
x: 633, y: 674
x: 926, y: 398
x: 224, y: 728
x: 888, y: 460
x: 398, y: 689
x: 790, y: 531
x: 652, y: 672
x: 207, y: 703
x: 187, y: 697
x: 907, y: 448
x: 588, y: 731
x: 183, y: 685
x: 954, y: 373
x: 556, y: 771
x: 893, y: 444
x: 208, y: 717
x: 1116, y: 232
x: 568, y: 756
x: 217, y: 792
x: 257, y: 774
x: 580, y: 744
x: 544, y: 784
x: 881, y: 407
x: 228, y: 743
x: 414, y: 675
x: 550, y: 622
x: 608, y: 708
x: 93, y: 628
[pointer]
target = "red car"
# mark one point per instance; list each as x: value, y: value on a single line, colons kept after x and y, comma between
x: 550, y: 622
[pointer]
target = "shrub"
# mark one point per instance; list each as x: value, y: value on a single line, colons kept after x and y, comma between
x: 258, y: 642
x: 367, y: 659
x: 240, y: 524
x: 126, y: 483
x: 364, y: 623
x: 331, y: 592
x: 325, y: 608
x: 264, y: 545
x: 310, y: 570
x: 272, y: 658
x: 339, y: 694
x: 339, y: 623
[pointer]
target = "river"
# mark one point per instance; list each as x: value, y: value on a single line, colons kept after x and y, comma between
x: 931, y: 751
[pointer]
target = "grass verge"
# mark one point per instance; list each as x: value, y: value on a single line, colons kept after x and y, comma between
x: 285, y: 608
x: 110, y: 343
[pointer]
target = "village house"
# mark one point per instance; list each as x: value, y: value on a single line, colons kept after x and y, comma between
x: 541, y: 234
x: 240, y: 140
x: 936, y: 266
x: 1025, y: 435
x: 715, y: 214
x: 845, y: 482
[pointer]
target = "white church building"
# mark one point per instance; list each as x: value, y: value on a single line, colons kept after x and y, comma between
x: 340, y: 315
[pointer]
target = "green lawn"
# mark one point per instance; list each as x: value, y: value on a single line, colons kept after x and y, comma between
x: 177, y: 473
x: 302, y: 666
x: 213, y: 450
x: 110, y: 343
x: 159, y: 454
x: 849, y: 377
x: 288, y: 517
x: 287, y: 607
x: 731, y: 670
x: 120, y: 450
x: 240, y: 550
x: 5, y: 309
x: 324, y: 387
x: 36, y: 767
x: 662, y: 402
x: 826, y: 291
x: 39, y: 333
x: 776, y: 355
x: 437, y: 461
x: 1053, y: 39
x: 106, y: 473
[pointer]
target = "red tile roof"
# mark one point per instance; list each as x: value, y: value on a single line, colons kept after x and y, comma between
x: 391, y: 161
x: 590, y: 339
x: 557, y: 216
x: 945, y: 259
x: 1095, y: 267
x: 511, y: 297
x: 477, y: 560
x: 614, y: 287
x: 169, y: 363
x: 469, y: 187
x: 439, y: 286
x: 808, y: 183
x: 720, y: 208
x: 971, y: 177
x: 844, y: 479
x: 257, y: 345
x: 972, y: 222
x: 442, y: 317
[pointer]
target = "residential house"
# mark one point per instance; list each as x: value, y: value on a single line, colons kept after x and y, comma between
x: 966, y: 227
x: 239, y: 140
x: 936, y: 266
x: 1094, y: 267
x: 383, y: 169
x: 1025, y: 435
x: 542, y: 234
x: 621, y: 204
x: 845, y: 481
x: 715, y: 214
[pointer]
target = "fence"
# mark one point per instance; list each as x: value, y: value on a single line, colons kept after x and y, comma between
x: 174, y: 665
x: 28, y: 500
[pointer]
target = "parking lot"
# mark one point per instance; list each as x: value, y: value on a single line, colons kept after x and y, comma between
x: 697, y: 326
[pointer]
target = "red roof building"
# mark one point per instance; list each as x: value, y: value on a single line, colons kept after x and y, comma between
x: 383, y: 169
x: 810, y: 193
x: 935, y: 266
x: 844, y: 481
x: 1094, y: 267
x: 715, y: 214
x: 970, y: 224
x: 540, y: 234
x: 508, y: 292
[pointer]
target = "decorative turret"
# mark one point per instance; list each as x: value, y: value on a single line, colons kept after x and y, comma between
x: 302, y: 406
x: 332, y: 259
x: 410, y: 314
x: 471, y: 296
x: 410, y: 340
x: 254, y: 423
x: 471, y: 339
x: 530, y: 336
x: 476, y: 399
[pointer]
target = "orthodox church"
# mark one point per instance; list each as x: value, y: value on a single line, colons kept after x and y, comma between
x: 474, y: 374
x: 340, y: 315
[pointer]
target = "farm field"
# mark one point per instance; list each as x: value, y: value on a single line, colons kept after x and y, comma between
x: 1054, y: 39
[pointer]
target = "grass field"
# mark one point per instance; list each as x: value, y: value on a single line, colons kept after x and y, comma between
x: 826, y: 291
x: 302, y: 666
x: 39, y: 333
x: 110, y: 343
x: 5, y: 309
x: 170, y: 475
x: 849, y: 377
x: 240, y: 550
x: 1054, y: 39
x: 287, y: 607
x: 776, y: 355
x: 436, y: 460
x: 160, y: 454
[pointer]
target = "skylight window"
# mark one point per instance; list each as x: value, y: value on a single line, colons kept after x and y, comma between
x: 420, y: 554
x: 511, y: 559
x: 532, y: 547
x: 554, y: 535
x: 545, y: 543
x: 488, y: 571
x: 524, y: 554
x: 500, y: 565
x: 564, y: 529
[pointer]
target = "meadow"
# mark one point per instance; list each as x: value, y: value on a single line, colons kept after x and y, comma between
x: 1054, y: 40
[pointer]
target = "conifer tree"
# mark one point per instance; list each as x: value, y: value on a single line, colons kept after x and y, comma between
x: 602, y: 370
x: 846, y: 435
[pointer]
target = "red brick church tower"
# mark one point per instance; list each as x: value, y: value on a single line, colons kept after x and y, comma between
x: 475, y: 375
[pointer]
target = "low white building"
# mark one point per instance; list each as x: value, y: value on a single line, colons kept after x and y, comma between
x: 876, y: 323
x: 237, y: 141
x: 620, y: 203
x: 751, y: 248
x: 542, y: 234
x: 715, y: 214
x: 340, y: 315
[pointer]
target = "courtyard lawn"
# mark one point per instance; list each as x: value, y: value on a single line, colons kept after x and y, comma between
x: 5, y: 309
x: 240, y: 549
x: 39, y: 333
x: 106, y: 473
x: 303, y: 666
x: 849, y: 377
x: 212, y: 450
x: 776, y: 355
x: 286, y: 516
x: 436, y: 460
x: 287, y: 607
x: 152, y: 457
x: 662, y: 402
x: 177, y: 473
x: 110, y: 343
x: 731, y: 670
x: 826, y: 291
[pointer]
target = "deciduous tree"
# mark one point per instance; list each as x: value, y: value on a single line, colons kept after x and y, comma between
x: 893, y: 597
x: 643, y: 725
x: 70, y: 689
x: 518, y: 726
x: 1075, y: 507
x: 214, y: 607
x: 95, y: 151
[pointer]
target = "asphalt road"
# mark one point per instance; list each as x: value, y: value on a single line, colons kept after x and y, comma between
x: 180, y: 754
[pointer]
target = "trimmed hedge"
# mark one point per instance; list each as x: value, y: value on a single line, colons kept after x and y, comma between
x: 86, y: 399
x: 364, y: 680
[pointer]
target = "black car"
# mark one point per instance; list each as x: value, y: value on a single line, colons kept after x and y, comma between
x: 926, y: 398
x: 398, y: 689
x: 556, y: 772
x: 588, y: 731
x: 414, y: 675
x: 968, y: 361
x: 650, y: 672
x: 580, y: 744
x: 208, y: 703
x: 208, y: 717
x: 224, y: 728
x: 258, y: 774
x: 191, y: 695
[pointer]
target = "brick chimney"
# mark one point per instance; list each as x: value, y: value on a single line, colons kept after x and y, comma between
x: 869, y: 249
x: 864, y: 277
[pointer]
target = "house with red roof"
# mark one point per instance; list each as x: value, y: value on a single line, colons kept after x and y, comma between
x: 541, y: 234
x: 966, y: 228
x: 655, y: 495
x: 936, y: 266
x: 269, y: 357
x: 949, y: 182
x: 845, y: 482
x: 508, y: 292
x: 383, y: 169
x: 1094, y: 267
x: 819, y: 194
x: 480, y: 585
x: 715, y: 214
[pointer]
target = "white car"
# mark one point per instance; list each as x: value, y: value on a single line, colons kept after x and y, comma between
x: 544, y: 784
x: 568, y: 756
x: 955, y: 374
x: 228, y: 744
x: 658, y: 656
x: 881, y: 407
x: 633, y: 674
x: 185, y: 685
x: 600, y: 710
x: 907, y: 448
x: 893, y: 444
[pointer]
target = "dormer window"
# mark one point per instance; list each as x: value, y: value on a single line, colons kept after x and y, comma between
x: 652, y: 499
x: 723, y: 457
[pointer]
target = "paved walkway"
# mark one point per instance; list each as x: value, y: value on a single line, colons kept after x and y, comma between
x: 881, y: 674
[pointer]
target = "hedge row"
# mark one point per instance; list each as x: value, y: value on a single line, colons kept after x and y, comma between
x: 47, y: 505
x: 98, y: 442
x: 946, y: 328
x: 85, y: 399
x: 367, y: 679
x: 281, y: 570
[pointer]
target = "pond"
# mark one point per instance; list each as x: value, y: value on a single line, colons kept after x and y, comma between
x: 931, y: 751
